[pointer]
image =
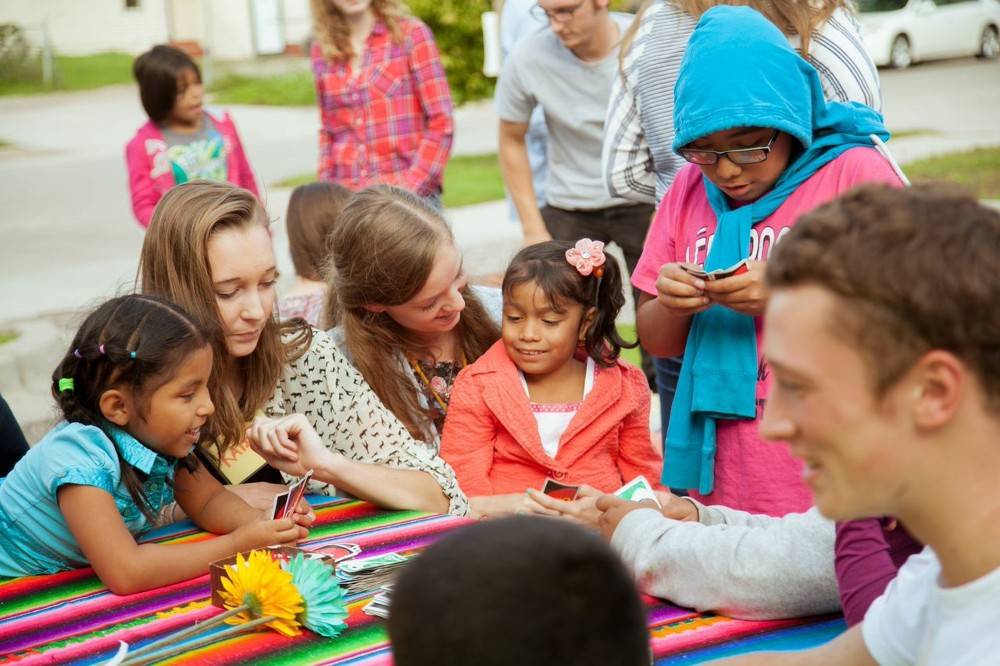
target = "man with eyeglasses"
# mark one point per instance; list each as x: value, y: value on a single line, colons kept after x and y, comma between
x: 568, y: 72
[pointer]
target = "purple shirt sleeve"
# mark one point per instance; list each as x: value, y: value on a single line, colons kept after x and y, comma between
x: 868, y: 555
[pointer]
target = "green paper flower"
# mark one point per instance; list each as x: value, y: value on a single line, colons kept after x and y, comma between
x: 323, y: 600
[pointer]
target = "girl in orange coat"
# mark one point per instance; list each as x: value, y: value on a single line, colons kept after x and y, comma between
x: 551, y: 399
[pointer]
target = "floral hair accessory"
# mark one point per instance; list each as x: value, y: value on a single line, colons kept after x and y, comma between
x: 587, y: 257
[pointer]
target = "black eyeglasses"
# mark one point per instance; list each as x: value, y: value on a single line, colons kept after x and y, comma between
x: 557, y: 15
x: 753, y: 155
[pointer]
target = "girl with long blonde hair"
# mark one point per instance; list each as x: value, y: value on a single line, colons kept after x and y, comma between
x: 385, y: 105
x: 406, y: 315
x: 284, y: 389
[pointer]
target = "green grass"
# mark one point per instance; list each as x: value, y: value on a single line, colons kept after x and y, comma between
x: 978, y: 170
x: 919, y: 131
x: 472, y: 179
x: 77, y: 73
x: 627, y: 332
x: 289, y: 89
x: 468, y: 179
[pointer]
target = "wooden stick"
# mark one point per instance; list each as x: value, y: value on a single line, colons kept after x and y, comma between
x: 198, y: 627
x: 171, y: 651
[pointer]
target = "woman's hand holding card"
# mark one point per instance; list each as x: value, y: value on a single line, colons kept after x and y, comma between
x: 289, y: 444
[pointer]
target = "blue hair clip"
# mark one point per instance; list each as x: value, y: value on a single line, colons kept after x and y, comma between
x: 131, y: 355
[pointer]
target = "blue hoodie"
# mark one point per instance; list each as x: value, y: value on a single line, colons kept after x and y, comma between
x: 740, y: 71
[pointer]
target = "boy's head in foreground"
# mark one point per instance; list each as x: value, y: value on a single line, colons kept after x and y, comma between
x: 883, y: 334
x: 520, y: 591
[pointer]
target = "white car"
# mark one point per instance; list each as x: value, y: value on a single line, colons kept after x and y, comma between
x: 901, y: 32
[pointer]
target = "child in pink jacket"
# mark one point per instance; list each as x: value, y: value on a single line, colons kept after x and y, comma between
x: 182, y: 141
x: 551, y: 399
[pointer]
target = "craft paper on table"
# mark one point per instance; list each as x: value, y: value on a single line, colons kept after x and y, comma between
x: 558, y: 490
x: 237, y: 464
x: 637, y: 490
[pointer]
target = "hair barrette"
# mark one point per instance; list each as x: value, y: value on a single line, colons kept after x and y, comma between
x: 131, y: 355
x: 65, y: 384
x: 587, y: 257
x: 76, y: 352
x: 100, y: 348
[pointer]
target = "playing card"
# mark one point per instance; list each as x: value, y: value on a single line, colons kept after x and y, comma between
x: 637, y: 490
x: 559, y: 490
x: 298, y: 490
x: 280, y: 505
x: 719, y: 273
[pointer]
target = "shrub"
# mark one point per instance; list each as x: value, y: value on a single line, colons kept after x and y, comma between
x: 458, y: 31
x: 18, y: 61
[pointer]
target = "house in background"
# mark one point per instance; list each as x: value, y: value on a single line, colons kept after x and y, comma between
x: 231, y: 29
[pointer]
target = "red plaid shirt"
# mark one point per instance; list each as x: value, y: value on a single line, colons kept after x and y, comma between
x: 392, y: 122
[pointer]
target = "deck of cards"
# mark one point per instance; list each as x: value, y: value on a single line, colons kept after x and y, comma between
x: 718, y: 273
x: 637, y: 490
x: 369, y: 573
x: 285, y: 503
x: 379, y: 605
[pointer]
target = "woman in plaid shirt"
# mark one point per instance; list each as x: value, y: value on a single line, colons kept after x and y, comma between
x: 384, y: 101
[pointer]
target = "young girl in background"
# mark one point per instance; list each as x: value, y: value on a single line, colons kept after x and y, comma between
x: 133, y: 390
x: 765, y: 147
x: 551, y: 398
x: 406, y: 316
x: 182, y: 140
x: 384, y: 102
x: 313, y: 211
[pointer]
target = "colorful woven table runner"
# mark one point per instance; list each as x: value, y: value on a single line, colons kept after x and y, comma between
x: 71, y: 617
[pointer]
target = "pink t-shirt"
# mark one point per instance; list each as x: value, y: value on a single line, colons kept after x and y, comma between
x: 750, y: 474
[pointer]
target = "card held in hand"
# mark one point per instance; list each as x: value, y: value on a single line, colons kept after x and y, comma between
x: 558, y: 490
x: 637, y: 490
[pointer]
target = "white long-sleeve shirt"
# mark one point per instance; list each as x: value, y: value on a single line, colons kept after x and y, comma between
x: 746, y: 566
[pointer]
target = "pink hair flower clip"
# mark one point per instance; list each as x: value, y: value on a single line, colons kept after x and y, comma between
x: 587, y: 257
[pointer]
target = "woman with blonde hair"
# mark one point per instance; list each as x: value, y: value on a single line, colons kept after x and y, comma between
x: 385, y: 106
x: 283, y: 388
x: 407, y: 317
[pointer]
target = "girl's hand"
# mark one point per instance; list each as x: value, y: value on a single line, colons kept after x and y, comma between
x: 580, y: 510
x: 496, y: 506
x: 262, y: 533
x: 744, y: 293
x: 289, y: 443
x: 681, y: 293
x: 260, y: 496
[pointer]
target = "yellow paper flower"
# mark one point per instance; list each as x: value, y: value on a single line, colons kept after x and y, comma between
x: 260, y: 584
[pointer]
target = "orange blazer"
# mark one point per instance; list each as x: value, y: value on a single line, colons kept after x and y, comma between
x: 491, y: 437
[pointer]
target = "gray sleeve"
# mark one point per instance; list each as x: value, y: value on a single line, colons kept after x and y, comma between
x: 514, y: 102
x: 778, y: 568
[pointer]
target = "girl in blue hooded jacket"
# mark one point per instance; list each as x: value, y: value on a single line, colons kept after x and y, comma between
x: 764, y: 148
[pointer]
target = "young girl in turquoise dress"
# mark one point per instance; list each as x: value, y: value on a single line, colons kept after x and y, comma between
x: 133, y: 393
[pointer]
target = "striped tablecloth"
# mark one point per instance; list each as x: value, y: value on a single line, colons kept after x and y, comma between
x: 71, y: 617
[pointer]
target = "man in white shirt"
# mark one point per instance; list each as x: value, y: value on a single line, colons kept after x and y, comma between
x: 568, y: 71
x: 883, y: 335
